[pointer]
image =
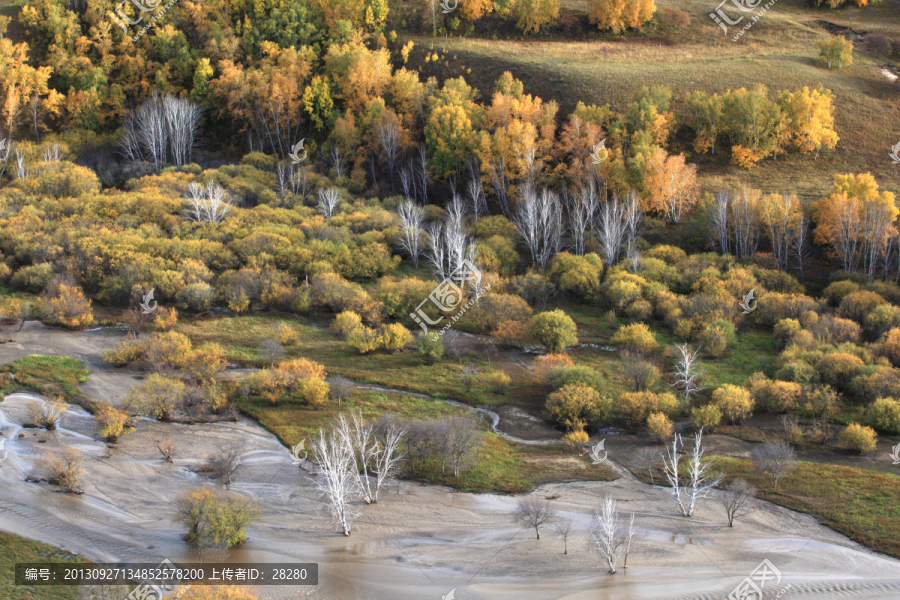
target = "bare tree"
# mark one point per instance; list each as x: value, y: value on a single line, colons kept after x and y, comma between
x: 407, y: 182
x: 581, y: 209
x: 535, y: 513
x: 719, y: 223
x: 410, y: 240
x: 436, y: 250
x: 801, y: 248
x: 646, y: 458
x: 389, y: 458
x: 182, y: 125
x: 225, y: 463
x: 634, y: 226
x: 328, y: 201
x: 272, y: 351
x: 475, y: 189
x: 779, y: 214
x: 336, y: 159
x: 207, y: 203
x: 424, y: 171
x: 500, y: 183
x: 611, y: 538
x: 700, y: 478
x: 337, y: 463
x: 745, y: 222
x: 448, y: 245
x: 387, y: 132
x: 564, y: 528
x: 735, y: 500
x: 22, y: 170
x: 463, y: 437
x: 639, y: 373
x: 456, y: 210
x: 687, y: 374
x: 340, y: 388
x: 538, y: 218
x: 611, y: 230
x: 456, y: 344
x: 774, y: 457
x: 361, y: 439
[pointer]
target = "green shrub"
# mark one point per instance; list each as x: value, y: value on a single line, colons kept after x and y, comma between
x: 575, y: 374
x: 858, y: 437
x: 884, y: 414
x: 554, y: 330
x: 214, y: 519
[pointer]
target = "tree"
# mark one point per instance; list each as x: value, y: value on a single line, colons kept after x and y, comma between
x: 339, y: 484
x: 376, y: 455
x: 167, y: 448
x: 412, y: 216
x: 611, y: 539
x: 364, y: 339
x: 555, y: 330
x: 431, y: 347
x: 533, y: 15
x: 463, y: 438
x: 213, y: 518
x: 156, y: 397
x: 207, y: 204
x: 272, y: 351
x: 66, y: 306
x: 538, y: 218
x: 735, y: 499
x: 858, y: 437
x: 774, y: 457
x: 573, y: 405
x: 671, y: 185
x: 700, y: 479
x: 687, y: 375
x: 837, y: 50
x: 616, y: 15
x: 225, y: 463
x: 535, y: 513
x: 706, y: 417
x: 327, y: 201
x: 563, y: 528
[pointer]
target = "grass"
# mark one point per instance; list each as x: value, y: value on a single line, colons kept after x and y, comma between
x: 16, y: 549
x: 241, y: 336
x: 860, y: 503
x: 50, y: 375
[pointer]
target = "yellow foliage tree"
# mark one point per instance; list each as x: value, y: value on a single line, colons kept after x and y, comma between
x: 617, y: 15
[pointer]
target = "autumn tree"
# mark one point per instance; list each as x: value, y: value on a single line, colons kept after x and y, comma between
x: 671, y: 185
x: 573, y: 406
x: 838, y: 50
x: 19, y: 82
x: 555, y: 330
x: 534, y: 15
x: 617, y: 15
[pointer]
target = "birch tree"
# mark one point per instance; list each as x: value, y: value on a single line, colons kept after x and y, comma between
x: 611, y: 539
x: 700, y: 479
x: 581, y: 209
x: 410, y: 239
x: 687, y: 374
x: 611, y: 230
x: 207, y: 203
x: 720, y: 223
x: 779, y: 214
x: 538, y: 219
x: 327, y: 201
x: 475, y: 189
x: 387, y: 132
x: 424, y: 171
x: 339, y: 482
x: 745, y: 222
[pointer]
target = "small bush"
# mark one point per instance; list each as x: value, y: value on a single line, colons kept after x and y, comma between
x: 214, y: 519
x: 735, y: 402
x: 576, y: 438
x: 635, y: 338
x: 858, y: 437
x: 838, y: 368
x: 573, y: 406
x: 156, y: 397
x: 884, y: 414
x: 659, y: 426
x: 785, y: 330
x: 431, y: 347
x: 706, y: 417
x: 63, y: 470
x: 346, y: 322
x: 554, y: 330
x: 498, y: 381
x: 580, y: 374
x: 634, y: 407
x: 112, y: 421
x: 46, y: 413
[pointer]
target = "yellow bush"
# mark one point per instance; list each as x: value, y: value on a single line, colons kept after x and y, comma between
x: 165, y: 319
x: 112, y: 421
x: 346, y: 322
x: 542, y: 365
x: 498, y: 381
x: 395, y: 337
x: 735, y: 402
x: 636, y: 337
x: 659, y: 426
x: 573, y: 405
x: 285, y: 334
x: 364, y: 339
x: 68, y: 308
x: 706, y: 417
x: 576, y: 438
x: 206, y: 361
x: 635, y: 407
x: 858, y: 437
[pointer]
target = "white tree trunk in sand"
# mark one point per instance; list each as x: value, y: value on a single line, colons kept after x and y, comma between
x: 611, y: 539
x: 336, y: 460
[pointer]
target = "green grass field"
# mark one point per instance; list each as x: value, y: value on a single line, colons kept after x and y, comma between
x: 15, y: 549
